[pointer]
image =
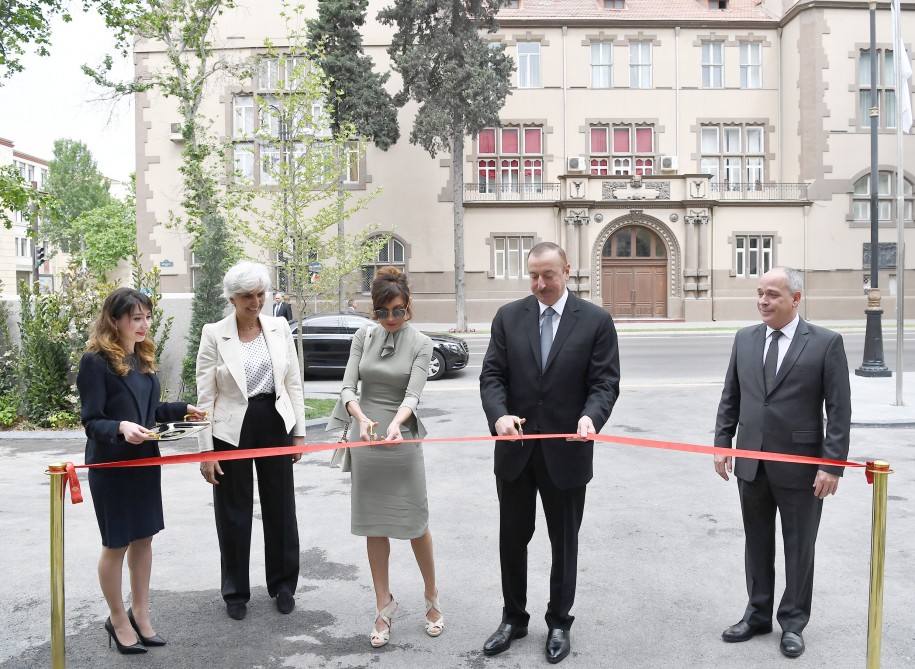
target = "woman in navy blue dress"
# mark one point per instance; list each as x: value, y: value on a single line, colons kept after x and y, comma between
x: 120, y: 393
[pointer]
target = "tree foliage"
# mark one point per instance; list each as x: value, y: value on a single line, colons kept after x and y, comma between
x: 26, y: 24
x: 109, y: 235
x: 75, y: 187
x: 303, y: 207
x: 17, y: 194
x: 184, y: 29
x: 356, y: 94
x: 460, y: 83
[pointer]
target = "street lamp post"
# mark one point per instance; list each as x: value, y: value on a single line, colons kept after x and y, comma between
x: 873, y: 364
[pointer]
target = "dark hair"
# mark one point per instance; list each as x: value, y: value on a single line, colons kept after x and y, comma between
x: 105, y: 340
x: 543, y: 247
x: 389, y: 284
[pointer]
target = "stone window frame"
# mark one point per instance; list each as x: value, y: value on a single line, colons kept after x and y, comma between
x: 890, y: 199
x: 490, y: 241
x: 474, y: 156
x: 365, y: 281
x: 768, y: 154
x: 855, y: 87
x: 748, y: 234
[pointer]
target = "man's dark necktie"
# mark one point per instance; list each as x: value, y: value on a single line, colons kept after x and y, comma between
x: 546, y: 336
x: 770, y: 368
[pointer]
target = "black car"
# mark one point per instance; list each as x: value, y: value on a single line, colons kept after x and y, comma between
x: 326, y: 340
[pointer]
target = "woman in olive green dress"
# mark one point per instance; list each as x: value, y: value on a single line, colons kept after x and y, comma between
x: 385, y: 375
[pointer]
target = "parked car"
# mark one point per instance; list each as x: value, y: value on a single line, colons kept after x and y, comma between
x: 326, y: 340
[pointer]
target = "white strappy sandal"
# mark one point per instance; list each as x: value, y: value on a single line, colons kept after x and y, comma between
x: 381, y: 638
x: 434, y: 627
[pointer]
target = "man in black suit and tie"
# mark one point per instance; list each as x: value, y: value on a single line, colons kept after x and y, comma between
x: 553, y: 367
x: 781, y: 375
x: 281, y: 307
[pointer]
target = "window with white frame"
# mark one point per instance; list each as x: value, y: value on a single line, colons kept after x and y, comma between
x: 510, y: 159
x: 886, y: 197
x: 614, y: 4
x: 528, y: 64
x: 243, y: 116
x: 621, y: 149
x: 509, y: 255
x: 886, y: 88
x: 243, y: 154
x: 751, y: 65
x: 640, y: 64
x: 23, y: 247
x: 353, y: 158
x: 391, y: 254
x: 712, y: 64
x: 601, y: 64
x: 753, y: 255
x: 270, y: 164
x: 275, y: 74
x: 734, y: 154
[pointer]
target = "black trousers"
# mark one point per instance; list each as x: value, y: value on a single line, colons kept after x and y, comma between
x: 517, y: 513
x: 233, y: 500
x: 799, y: 510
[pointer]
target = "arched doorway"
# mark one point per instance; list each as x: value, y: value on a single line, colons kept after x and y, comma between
x: 634, y: 273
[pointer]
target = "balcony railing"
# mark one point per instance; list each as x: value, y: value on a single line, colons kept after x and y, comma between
x: 759, y: 191
x: 487, y: 192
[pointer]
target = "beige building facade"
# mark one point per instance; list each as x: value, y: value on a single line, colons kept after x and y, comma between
x: 676, y: 149
x: 17, y: 246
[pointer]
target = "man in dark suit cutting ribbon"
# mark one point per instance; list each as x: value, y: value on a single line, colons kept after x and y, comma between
x: 782, y: 374
x: 552, y: 367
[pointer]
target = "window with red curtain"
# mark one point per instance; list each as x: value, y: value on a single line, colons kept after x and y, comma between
x: 533, y: 141
x: 621, y: 142
x: 643, y: 140
x: 486, y: 141
x: 510, y: 140
x: 598, y: 140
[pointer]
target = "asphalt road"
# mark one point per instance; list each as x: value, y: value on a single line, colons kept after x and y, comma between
x: 660, y: 573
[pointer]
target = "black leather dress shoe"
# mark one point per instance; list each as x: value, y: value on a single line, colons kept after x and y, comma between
x: 237, y: 611
x: 501, y: 639
x: 792, y: 644
x: 285, y: 602
x: 558, y: 645
x: 744, y: 631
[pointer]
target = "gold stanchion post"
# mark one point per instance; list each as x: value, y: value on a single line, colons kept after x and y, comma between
x: 58, y: 473
x: 880, y: 471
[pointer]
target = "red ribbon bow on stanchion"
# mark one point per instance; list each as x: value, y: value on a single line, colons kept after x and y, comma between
x: 76, y: 493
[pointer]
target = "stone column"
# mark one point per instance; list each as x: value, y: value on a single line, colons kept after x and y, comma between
x: 703, y: 269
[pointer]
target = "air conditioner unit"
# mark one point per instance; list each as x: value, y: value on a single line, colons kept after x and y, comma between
x: 669, y: 163
x: 575, y: 164
x: 174, y: 133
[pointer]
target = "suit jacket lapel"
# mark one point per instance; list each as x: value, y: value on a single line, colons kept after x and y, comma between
x: 277, y: 346
x: 566, y: 324
x: 759, y: 345
x: 229, y: 348
x: 532, y: 326
x: 798, y: 342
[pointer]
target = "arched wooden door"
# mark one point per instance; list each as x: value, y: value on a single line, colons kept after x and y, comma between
x: 634, y: 274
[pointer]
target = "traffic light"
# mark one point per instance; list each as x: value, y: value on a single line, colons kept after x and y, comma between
x: 39, y: 256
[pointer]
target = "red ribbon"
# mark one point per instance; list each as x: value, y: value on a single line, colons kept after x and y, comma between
x: 211, y: 456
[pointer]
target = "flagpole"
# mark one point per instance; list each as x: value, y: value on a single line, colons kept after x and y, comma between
x: 899, y: 53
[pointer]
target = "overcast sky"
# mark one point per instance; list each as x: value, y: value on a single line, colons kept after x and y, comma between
x: 52, y: 99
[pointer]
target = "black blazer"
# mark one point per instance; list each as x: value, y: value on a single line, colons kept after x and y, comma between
x: 582, y: 378
x: 284, y: 311
x: 789, y: 419
x: 107, y: 399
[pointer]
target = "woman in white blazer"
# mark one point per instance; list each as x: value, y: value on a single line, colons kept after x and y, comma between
x: 248, y: 380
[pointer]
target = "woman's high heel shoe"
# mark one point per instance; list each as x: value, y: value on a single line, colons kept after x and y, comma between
x: 434, y: 627
x: 381, y: 638
x: 134, y: 649
x: 154, y: 640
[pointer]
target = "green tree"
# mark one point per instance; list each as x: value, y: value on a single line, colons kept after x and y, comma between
x: 27, y: 23
x: 109, y: 235
x: 356, y: 96
x: 16, y: 194
x: 75, y: 187
x: 184, y: 28
x: 460, y: 82
x: 303, y: 208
